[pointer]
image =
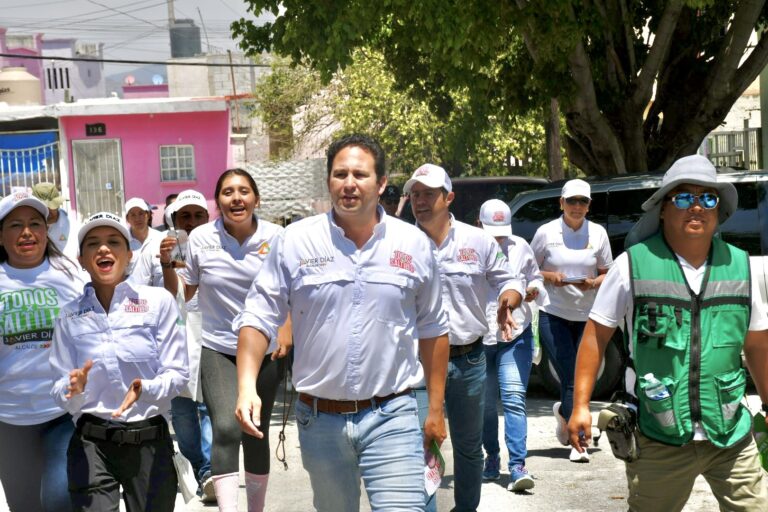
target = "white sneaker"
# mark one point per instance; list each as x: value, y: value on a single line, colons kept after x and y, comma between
x: 577, y: 456
x: 561, y: 431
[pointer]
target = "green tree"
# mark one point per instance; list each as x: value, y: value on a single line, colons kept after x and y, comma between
x: 640, y: 83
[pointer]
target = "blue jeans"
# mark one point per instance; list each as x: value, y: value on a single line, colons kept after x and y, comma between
x: 382, y: 445
x: 560, y: 338
x: 508, y: 367
x: 192, y: 427
x: 33, y: 465
x: 464, y: 406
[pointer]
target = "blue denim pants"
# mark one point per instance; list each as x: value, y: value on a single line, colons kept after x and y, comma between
x: 464, y: 406
x: 560, y: 338
x: 382, y: 445
x: 192, y: 427
x: 508, y: 368
x: 33, y: 465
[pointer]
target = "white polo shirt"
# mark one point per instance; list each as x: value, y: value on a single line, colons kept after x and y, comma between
x: 30, y: 300
x: 356, y: 313
x: 471, y: 263
x: 614, y: 304
x: 152, y: 241
x: 224, y: 271
x: 141, y: 337
x: 522, y: 263
x: 575, y: 253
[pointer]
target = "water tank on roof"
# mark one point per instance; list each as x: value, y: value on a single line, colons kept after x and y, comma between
x: 185, y: 39
x: 18, y: 87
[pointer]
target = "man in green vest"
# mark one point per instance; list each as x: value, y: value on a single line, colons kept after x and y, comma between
x: 691, y: 309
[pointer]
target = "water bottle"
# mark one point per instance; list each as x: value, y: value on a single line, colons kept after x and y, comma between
x: 761, y: 438
x: 656, y: 391
x: 177, y: 254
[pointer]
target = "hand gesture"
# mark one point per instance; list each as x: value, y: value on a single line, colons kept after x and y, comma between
x: 248, y: 413
x: 504, y: 318
x: 166, y: 250
x: 133, y: 394
x: 78, y: 379
x: 531, y: 293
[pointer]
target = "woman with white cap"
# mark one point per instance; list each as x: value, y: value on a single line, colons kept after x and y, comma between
x: 119, y: 356
x: 223, y: 259
x: 573, y: 254
x: 138, y: 215
x: 36, y: 280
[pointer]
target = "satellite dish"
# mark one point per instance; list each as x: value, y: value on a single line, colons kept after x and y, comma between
x: 129, y: 80
x: 158, y: 79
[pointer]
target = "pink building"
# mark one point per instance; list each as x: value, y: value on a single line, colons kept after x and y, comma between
x: 113, y: 149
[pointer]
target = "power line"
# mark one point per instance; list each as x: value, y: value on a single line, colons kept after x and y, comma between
x: 119, y: 61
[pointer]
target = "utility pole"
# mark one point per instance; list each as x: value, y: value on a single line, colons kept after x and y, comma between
x: 171, y: 16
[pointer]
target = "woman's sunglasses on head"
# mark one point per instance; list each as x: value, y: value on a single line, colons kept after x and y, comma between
x: 577, y: 200
x: 685, y: 200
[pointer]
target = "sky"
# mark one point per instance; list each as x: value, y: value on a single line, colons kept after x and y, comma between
x: 136, y: 29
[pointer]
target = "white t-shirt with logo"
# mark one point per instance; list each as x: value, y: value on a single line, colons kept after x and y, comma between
x: 576, y: 253
x: 30, y: 300
x: 224, y: 271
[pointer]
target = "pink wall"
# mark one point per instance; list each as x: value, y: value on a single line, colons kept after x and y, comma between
x: 141, y: 136
x: 145, y: 91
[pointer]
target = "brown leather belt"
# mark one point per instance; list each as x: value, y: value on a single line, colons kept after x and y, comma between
x: 346, y: 406
x: 460, y: 350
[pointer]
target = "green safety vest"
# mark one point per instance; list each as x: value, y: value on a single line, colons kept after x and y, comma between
x: 691, y: 343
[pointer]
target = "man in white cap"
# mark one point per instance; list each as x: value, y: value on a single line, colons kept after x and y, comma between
x: 189, y: 416
x: 508, y: 362
x: 470, y: 263
x: 690, y: 310
x: 62, y: 230
x: 138, y: 215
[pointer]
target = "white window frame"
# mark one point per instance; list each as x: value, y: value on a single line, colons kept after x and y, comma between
x: 170, y: 168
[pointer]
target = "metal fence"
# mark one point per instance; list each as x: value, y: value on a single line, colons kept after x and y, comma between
x: 25, y: 167
x: 737, y: 149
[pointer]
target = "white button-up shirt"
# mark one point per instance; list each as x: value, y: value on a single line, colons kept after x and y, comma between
x: 356, y: 313
x: 141, y: 337
x: 470, y: 261
x: 522, y: 263
x: 138, y: 248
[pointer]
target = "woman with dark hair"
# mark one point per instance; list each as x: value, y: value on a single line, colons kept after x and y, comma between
x: 223, y: 259
x: 36, y: 280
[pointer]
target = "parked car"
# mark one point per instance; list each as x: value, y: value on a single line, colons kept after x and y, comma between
x: 472, y: 192
x: 616, y: 204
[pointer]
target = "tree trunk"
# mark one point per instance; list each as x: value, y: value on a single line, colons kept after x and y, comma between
x: 552, y: 130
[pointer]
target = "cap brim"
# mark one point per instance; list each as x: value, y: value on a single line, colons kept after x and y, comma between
x: 32, y: 202
x: 102, y: 223
x: 498, y: 230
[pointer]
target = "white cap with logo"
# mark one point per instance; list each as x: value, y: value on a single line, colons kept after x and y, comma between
x: 102, y: 219
x: 21, y: 198
x: 576, y: 187
x: 185, y: 198
x: 496, y: 218
x: 430, y: 175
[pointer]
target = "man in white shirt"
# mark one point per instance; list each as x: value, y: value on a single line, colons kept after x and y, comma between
x: 61, y: 229
x: 138, y: 216
x: 690, y: 310
x: 360, y: 286
x: 470, y: 262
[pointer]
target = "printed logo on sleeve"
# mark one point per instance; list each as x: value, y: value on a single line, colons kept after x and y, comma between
x: 468, y: 255
x: 402, y: 260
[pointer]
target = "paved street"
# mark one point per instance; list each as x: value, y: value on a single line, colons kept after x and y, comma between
x: 560, y: 484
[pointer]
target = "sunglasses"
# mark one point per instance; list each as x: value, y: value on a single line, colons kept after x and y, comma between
x: 577, y: 200
x: 685, y: 200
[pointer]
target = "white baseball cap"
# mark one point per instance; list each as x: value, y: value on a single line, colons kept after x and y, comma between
x: 22, y: 198
x: 576, y: 188
x: 496, y: 218
x: 102, y: 219
x: 430, y: 175
x: 185, y: 198
x: 137, y: 202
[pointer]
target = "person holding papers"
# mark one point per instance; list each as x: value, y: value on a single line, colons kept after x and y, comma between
x: 573, y: 255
